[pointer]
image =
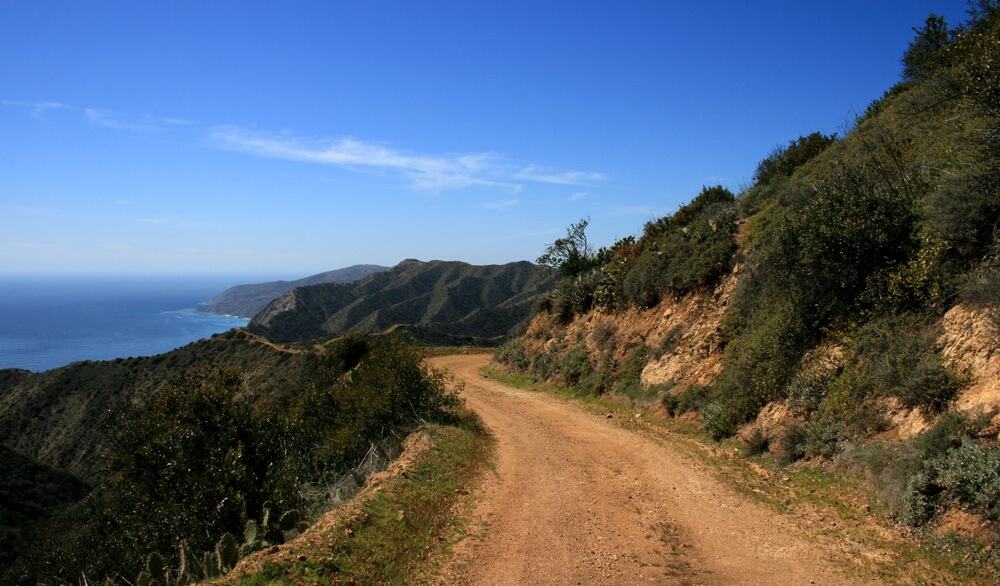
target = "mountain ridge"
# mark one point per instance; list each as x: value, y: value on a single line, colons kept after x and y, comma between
x: 437, y: 301
x: 246, y: 300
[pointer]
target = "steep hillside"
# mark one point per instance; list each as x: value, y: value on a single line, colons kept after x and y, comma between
x: 64, y: 418
x: 438, y: 301
x: 248, y: 300
x: 842, y: 309
x: 183, y: 451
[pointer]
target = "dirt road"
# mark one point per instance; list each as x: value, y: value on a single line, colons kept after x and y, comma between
x: 576, y: 499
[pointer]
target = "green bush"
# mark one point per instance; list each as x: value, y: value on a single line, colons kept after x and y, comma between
x: 783, y: 161
x: 808, y: 388
x: 603, y: 336
x: 511, y: 354
x: 684, y: 252
x: 892, y: 356
x: 692, y: 398
x: 982, y: 290
x: 544, y: 365
x: 718, y: 421
x: 967, y: 476
x: 576, y: 366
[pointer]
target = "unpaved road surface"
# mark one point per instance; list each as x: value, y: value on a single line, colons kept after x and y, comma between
x: 576, y: 499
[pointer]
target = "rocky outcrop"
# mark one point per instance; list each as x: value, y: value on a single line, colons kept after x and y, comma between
x: 971, y: 345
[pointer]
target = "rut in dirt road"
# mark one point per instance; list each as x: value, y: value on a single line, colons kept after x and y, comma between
x: 576, y: 499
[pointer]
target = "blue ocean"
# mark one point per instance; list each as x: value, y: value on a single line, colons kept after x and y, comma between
x: 50, y: 322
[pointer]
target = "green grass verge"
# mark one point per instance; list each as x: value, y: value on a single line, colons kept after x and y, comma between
x: 399, y: 535
x: 835, y: 504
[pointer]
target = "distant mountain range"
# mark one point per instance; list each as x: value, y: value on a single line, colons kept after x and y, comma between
x: 441, y: 302
x: 248, y: 300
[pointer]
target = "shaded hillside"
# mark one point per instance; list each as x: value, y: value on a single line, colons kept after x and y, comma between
x: 208, y: 452
x: 438, y: 301
x: 64, y: 417
x: 248, y: 300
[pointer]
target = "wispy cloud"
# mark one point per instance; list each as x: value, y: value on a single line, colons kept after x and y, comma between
x: 502, y: 205
x: 432, y: 172
x: 37, y: 109
x: 577, y: 196
x: 559, y: 177
x: 120, y: 121
x: 424, y: 171
x: 122, y: 202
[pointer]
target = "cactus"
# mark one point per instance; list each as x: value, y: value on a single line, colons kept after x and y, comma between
x: 155, y: 566
x: 288, y: 520
x: 191, y: 568
x: 228, y: 552
x: 265, y: 518
x: 210, y: 562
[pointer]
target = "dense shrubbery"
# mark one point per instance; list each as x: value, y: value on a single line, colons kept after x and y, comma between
x: 677, y: 254
x: 197, y: 461
x: 892, y: 356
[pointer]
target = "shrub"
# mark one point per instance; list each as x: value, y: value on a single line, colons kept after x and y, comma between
x: 806, y: 391
x: 783, y: 161
x: 693, y: 398
x: 982, y: 290
x: 718, y: 421
x: 791, y: 443
x: 576, y: 366
x: 668, y: 343
x: 629, y: 380
x: 926, y: 54
x: 756, y: 443
x: 544, y: 365
x: 684, y: 252
x: 891, y: 356
x: 604, y: 336
x: 967, y: 475
x: 512, y: 354
x: 823, y: 438
x: 572, y: 254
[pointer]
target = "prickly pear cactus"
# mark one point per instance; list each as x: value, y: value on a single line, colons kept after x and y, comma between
x: 228, y: 552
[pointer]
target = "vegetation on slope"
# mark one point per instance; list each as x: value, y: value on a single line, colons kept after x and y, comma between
x: 249, y: 300
x: 199, y: 463
x: 439, y: 302
x: 63, y: 418
x: 395, y: 536
x: 859, y: 243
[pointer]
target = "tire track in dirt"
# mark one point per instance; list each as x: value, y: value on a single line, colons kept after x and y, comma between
x: 576, y: 499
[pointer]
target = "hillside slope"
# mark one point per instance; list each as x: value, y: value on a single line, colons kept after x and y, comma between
x: 64, y: 418
x: 248, y: 300
x: 844, y: 309
x: 437, y: 301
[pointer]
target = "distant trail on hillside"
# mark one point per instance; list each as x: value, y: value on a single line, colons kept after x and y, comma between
x: 576, y: 499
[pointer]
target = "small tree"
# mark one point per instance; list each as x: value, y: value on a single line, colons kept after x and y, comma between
x: 924, y: 54
x: 572, y: 255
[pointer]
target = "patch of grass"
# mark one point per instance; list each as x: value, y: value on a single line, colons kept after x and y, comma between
x: 398, y: 535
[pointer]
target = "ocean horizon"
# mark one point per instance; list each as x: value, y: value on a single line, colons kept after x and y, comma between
x: 48, y: 322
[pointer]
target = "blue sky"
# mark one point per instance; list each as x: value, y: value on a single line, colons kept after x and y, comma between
x: 287, y: 138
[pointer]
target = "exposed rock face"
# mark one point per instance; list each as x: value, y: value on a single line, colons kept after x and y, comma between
x: 971, y: 345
